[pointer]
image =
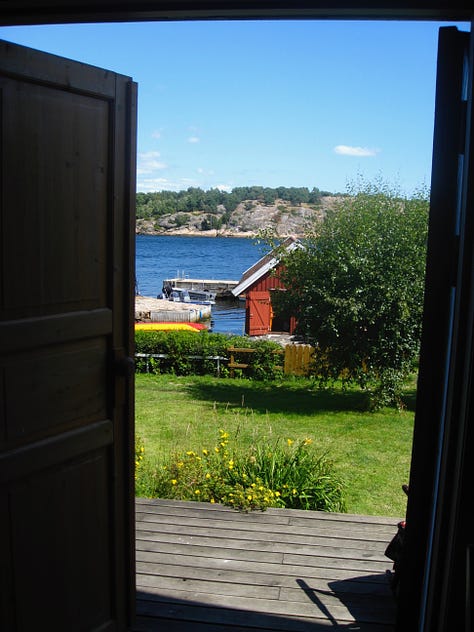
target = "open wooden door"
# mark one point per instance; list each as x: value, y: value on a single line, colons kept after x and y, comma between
x: 66, y: 378
x: 436, y: 590
x: 257, y: 313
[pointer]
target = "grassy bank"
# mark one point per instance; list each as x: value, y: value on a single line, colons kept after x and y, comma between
x: 371, y: 450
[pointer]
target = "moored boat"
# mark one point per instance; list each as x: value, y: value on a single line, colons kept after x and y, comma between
x: 188, y: 295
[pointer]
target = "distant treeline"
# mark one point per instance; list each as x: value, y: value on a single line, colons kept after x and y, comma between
x: 222, y: 203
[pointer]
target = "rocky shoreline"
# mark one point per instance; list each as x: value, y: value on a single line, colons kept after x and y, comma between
x: 185, y: 232
x: 248, y: 220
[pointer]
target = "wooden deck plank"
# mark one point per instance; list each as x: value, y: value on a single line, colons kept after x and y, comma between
x: 270, y: 514
x: 189, y: 615
x: 308, y: 539
x: 207, y: 567
x: 374, y: 533
x: 370, y: 585
x: 217, y: 564
x: 328, y: 547
x: 323, y: 606
x: 344, y: 605
x: 315, y: 560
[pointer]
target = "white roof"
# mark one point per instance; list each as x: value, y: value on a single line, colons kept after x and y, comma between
x: 263, y: 265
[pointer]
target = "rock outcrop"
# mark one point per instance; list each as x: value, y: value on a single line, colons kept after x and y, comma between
x: 247, y: 220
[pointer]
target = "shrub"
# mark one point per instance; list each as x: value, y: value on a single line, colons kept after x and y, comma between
x: 356, y: 289
x: 270, y: 474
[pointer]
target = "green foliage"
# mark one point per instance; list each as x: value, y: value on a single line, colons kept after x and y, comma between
x: 268, y: 474
x: 214, y: 201
x: 357, y: 289
x: 211, y: 222
x: 182, y: 218
x: 181, y: 346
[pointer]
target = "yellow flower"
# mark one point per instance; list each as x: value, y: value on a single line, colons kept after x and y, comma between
x: 294, y: 491
x: 208, y: 475
x: 216, y: 449
x: 212, y: 500
x: 180, y: 464
x: 231, y: 464
x: 224, y: 435
x: 308, y: 441
x: 197, y: 492
x: 190, y: 453
x: 205, y: 452
x: 173, y: 481
x: 249, y: 497
x: 289, y: 441
x: 277, y: 494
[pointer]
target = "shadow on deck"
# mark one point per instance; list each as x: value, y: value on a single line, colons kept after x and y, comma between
x: 208, y: 568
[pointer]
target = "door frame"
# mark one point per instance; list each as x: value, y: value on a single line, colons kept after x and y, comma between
x: 68, y: 11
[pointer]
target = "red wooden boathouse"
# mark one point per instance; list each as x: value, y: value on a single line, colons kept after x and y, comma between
x: 258, y: 284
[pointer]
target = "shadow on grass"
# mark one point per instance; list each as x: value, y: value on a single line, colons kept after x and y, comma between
x: 409, y: 399
x: 277, y: 398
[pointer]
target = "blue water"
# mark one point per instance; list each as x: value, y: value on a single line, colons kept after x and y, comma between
x: 163, y: 257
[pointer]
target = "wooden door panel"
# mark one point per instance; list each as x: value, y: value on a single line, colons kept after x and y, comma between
x: 57, y: 220
x: 72, y: 390
x: 66, y: 299
x: 60, y: 502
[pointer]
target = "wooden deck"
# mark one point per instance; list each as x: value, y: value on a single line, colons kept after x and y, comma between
x: 208, y: 568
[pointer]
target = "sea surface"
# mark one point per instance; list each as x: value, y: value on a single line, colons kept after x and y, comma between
x: 163, y: 257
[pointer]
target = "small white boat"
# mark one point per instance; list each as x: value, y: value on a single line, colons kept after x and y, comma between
x: 199, y: 297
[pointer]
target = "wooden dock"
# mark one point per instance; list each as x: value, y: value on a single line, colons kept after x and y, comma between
x: 160, y: 310
x: 208, y: 568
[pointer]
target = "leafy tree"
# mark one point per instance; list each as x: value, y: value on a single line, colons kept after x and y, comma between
x: 357, y: 289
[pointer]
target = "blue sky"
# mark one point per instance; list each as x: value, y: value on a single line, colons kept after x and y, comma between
x: 274, y: 103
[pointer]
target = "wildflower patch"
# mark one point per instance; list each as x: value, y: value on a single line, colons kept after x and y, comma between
x: 271, y: 473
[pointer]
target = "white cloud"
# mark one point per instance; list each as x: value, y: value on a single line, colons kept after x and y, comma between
x: 360, y: 152
x: 146, y: 185
x: 193, y: 139
x: 156, y: 134
x: 148, y: 162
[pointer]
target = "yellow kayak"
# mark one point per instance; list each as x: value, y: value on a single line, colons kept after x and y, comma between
x: 169, y: 327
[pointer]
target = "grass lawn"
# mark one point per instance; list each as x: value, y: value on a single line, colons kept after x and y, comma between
x: 370, y: 450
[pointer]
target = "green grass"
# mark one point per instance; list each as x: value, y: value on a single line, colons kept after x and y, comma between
x: 371, y: 451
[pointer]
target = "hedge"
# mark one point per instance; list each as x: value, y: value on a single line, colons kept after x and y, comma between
x: 182, y: 347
